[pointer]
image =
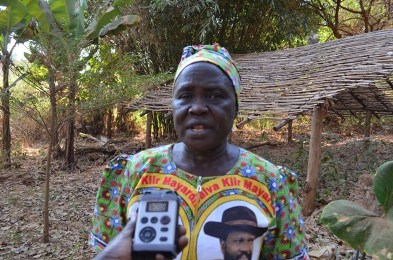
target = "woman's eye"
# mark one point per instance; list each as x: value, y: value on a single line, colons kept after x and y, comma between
x: 184, y: 96
x: 214, y: 95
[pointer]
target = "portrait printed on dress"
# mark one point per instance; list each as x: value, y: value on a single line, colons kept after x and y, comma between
x: 232, y: 231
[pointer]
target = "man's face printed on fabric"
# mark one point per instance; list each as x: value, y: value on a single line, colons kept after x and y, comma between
x: 238, y: 246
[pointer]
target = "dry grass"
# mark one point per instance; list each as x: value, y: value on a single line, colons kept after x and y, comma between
x: 347, y: 162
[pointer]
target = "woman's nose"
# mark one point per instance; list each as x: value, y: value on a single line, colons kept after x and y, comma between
x: 198, y: 106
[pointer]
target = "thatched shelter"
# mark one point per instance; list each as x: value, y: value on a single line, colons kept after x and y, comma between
x: 354, y: 74
x: 344, y: 77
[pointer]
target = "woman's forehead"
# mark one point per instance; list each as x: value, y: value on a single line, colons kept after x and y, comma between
x: 213, y: 54
x: 205, y: 72
x: 202, y: 66
x: 203, y: 77
x: 201, y: 86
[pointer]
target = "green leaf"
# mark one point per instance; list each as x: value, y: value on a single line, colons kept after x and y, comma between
x: 120, y: 24
x: 6, y: 3
x: 360, y: 228
x: 93, y: 30
x: 44, y: 16
x: 120, y: 3
x: 383, y: 186
x: 70, y: 14
x: 14, y: 14
x: 23, y: 33
x: 63, y: 11
x: 34, y: 10
x: 79, y: 22
x: 83, y: 4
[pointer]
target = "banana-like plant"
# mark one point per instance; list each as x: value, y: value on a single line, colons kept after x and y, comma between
x: 362, y: 229
x: 14, y: 23
x: 64, y: 23
x: 61, y: 26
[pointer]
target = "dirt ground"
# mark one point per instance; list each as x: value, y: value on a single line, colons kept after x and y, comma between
x: 348, y: 162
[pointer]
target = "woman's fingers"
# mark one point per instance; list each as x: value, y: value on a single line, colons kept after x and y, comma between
x: 181, y: 242
x: 121, y: 246
x: 181, y: 231
x: 130, y: 227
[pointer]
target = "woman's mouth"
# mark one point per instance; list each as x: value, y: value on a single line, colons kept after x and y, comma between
x: 198, y: 128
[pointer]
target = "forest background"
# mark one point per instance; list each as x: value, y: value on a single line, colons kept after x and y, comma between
x: 88, y: 60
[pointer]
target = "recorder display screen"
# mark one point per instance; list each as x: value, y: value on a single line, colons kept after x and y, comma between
x: 157, y: 206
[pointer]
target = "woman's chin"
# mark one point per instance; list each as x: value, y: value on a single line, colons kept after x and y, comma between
x: 202, y: 146
x: 200, y: 133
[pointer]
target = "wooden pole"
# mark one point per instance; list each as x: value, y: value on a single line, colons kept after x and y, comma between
x: 281, y: 124
x: 290, y: 140
x: 109, y: 123
x: 367, y: 125
x: 149, y: 120
x: 310, y: 187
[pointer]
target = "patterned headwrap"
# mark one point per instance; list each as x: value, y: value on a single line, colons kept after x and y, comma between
x: 214, y: 54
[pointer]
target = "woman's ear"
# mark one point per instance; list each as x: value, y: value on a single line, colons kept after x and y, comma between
x: 236, y: 113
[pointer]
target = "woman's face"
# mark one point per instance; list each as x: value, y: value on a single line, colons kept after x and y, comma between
x: 204, y: 106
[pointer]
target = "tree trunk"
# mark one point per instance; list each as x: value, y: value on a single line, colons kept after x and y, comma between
x: 310, y: 188
x: 120, y: 120
x: 52, y: 96
x: 98, y: 123
x: 155, y: 125
x: 109, y: 120
x: 52, y: 133
x: 148, y: 129
x: 367, y: 125
x: 69, y: 148
x: 5, y: 107
x: 290, y: 134
x: 45, y: 236
x: 57, y: 152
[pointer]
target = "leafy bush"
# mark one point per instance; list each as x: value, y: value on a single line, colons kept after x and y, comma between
x: 360, y: 228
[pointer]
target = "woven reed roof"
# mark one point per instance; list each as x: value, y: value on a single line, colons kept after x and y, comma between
x: 351, y: 75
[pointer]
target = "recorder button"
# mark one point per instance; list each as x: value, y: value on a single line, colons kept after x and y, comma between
x: 154, y: 220
x: 147, y: 234
x: 165, y: 220
x: 144, y: 220
x: 164, y: 229
x: 163, y: 239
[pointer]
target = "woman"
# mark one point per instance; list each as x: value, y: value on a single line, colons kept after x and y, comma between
x: 209, y: 175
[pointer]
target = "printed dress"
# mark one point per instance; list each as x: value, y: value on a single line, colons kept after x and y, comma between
x: 267, y: 190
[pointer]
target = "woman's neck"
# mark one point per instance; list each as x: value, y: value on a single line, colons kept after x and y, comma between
x: 206, y: 163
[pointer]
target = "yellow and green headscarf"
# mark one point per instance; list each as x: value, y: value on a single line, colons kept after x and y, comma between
x: 214, y: 54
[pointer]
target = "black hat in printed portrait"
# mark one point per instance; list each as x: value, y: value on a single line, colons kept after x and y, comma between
x: 237, y: 218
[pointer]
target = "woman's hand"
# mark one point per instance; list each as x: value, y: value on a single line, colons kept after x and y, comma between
x: 121, y: 246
